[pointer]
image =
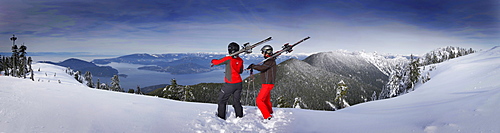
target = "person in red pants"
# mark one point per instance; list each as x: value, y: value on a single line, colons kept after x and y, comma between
x: 267, y: 76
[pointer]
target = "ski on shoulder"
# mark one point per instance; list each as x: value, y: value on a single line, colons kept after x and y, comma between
x: 246, y: 48
x: 285, y: 48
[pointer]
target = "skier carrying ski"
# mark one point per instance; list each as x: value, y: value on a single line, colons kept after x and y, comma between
x: 267, y: 75
x: 233, y: 85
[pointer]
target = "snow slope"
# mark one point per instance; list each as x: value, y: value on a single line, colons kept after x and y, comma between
x: 463, y: 95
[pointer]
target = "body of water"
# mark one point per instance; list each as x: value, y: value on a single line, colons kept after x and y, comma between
x: 145, y: 78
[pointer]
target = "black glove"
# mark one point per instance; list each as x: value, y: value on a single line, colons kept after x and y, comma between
x: 250, y: 66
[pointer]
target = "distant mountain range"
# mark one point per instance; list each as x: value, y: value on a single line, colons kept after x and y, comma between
x: 183, y: 63
x: 84, y: 66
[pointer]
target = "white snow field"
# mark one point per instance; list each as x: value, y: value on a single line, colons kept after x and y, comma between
x: 463, y: 95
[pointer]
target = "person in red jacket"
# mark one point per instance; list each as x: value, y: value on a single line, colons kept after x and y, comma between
x: 267, y: 76
x: 233, y: 85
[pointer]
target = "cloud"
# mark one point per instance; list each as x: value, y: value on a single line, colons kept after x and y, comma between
x: 201, y: 26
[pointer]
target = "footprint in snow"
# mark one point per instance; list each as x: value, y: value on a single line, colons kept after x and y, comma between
x: 251, y: 121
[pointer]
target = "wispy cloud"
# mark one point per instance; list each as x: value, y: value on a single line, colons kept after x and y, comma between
x: 201, y: 26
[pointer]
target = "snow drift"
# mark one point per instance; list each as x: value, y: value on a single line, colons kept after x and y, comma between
x: 463, y: 95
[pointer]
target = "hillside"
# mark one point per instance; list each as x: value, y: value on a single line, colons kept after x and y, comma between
x: 315, y: 86
x: 314, y: 80
x: 462, y: 96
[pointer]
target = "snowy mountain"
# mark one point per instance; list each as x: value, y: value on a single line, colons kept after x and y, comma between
x: 314, y: 80
x: 315, y: 86
x: 349, y: 65
x: 462, y: 96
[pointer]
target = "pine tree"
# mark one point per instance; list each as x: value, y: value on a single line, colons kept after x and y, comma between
x: 282, y: 102
x: 139, y: 91
x: 1, y: 63
x: 14, y: 60
x: 297, y: 102
x: 103, y: 86
x: 471, y: 51
x: 414, y: 72
x: 188, y: 94
x: 78, y: 77
x: 22, y: 61
x: 115, y: 84
x: 68, y: 71
x: 7, y: 65
x: 341, y: 95
x: 172, y: 91
x: 98, y: 84
x: 88, y: 79
x: 173, y: 82
x: 374, y: 96
x: 31, y: 69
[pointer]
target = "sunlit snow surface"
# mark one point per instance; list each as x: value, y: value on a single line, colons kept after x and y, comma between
x: 463, y: 95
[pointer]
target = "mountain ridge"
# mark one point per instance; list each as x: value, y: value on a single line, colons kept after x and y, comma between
x: 84, y: 66
x: 183, y: 63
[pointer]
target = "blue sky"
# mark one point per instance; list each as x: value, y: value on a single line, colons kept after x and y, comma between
x: 167, y: 26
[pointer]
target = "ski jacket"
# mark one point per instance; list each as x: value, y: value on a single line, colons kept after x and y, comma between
x: 267, y: 71
x: 234, y: 67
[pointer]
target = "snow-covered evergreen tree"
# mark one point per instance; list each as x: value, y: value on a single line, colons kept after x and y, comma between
x: 14, y: 60
x: 341, y: 95
x: 103, y: 86
x: 115, y: 84
x: 98, y: 84
x: 78, y: 76
x: 139, y: 91
x: 414, y: 73
x: 88, y: 79
x: 187, y: 94
x: 22, y: 62
x: 443, y: 54
x: 402, y: 80
x: 173, y: 91
x: 374, y: 96
x: 297, y: 102
x: 406, y: 75
x: 30, y: 61
x: 426, y: 78
x: 17, y: 65
x: 282, y: 103
x: 2, y: 64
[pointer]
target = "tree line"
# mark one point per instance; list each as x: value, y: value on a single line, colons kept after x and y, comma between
x: 403, y: 79
x: 17, y: 65
x: 87, y: 79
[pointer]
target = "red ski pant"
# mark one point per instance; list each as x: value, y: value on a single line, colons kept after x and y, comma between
x: 263, y: 100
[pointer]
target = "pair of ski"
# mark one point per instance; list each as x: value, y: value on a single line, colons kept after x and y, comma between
x: 285, y: 48
x: 247, y: 49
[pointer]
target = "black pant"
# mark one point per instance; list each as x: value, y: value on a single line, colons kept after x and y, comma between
x: 226, y: 91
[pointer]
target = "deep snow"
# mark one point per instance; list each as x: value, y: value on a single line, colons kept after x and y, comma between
x: 463, y: 95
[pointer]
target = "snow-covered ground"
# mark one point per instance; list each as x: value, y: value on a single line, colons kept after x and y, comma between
x: 463, y: 95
